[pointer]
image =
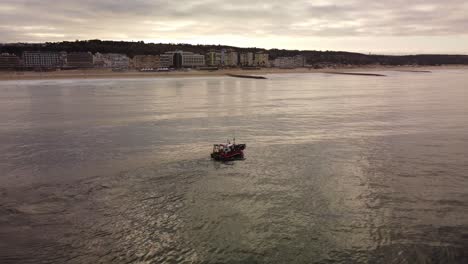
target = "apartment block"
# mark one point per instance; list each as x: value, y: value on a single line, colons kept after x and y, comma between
x: 9, y: 61
x: 182, y: 59
x: 246, y: 59
x: 290, y: 62
x: 213, y: 58
x: 40, y: 59
x: 80, y: 59
x: 146, y: 61
x: 261, y: 59
x: 231, y: 58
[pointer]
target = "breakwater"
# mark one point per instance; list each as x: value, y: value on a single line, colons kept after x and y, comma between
x: 358, y: 73
x: 246, y: 76
x: 414, y: 71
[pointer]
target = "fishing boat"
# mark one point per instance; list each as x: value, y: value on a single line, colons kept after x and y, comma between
x: 227, y: 152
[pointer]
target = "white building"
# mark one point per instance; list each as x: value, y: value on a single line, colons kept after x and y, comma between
x: 166, y: 60
x: 40, y: 59
x: 182, y: 59
x: 290, y: 62
x: 193, y: 60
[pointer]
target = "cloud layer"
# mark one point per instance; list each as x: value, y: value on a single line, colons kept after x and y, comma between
x: 293, y: 23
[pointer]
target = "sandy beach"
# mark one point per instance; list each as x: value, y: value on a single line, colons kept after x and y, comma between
x: 108, y: 73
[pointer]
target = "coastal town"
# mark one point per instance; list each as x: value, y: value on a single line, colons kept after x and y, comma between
x: 172, y: 60
x: 105, y: 56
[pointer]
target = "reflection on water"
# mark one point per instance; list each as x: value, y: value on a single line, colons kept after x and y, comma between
x: 341, y: 169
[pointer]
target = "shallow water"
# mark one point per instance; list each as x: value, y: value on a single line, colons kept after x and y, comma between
x: 338, y: 169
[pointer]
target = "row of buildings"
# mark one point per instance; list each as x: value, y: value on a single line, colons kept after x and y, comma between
x: 289, y: 62
x: 172, y: 59
x: 230, y: 58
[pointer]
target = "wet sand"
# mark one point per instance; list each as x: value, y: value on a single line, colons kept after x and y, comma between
x: 107, y: 73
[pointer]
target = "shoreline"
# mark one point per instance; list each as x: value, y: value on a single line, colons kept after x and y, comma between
x: 109, y: 74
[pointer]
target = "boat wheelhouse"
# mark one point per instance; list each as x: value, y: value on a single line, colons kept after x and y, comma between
x: 227, y: 152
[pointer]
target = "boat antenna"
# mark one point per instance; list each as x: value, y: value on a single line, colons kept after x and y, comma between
x: 234, y: 138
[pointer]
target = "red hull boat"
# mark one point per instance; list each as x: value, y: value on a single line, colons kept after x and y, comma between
x: 227, y: 152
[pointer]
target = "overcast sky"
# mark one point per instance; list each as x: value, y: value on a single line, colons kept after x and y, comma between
x: 396, y: 26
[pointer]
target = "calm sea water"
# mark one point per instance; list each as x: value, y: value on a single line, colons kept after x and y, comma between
x: 338, y: 169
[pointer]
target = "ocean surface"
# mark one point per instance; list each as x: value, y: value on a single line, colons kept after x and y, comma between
x: 338, y: 169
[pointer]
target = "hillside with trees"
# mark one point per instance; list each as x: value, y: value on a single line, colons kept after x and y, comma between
x: 312, y: 57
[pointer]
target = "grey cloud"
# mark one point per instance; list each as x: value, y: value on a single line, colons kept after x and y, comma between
x: 332, y: 18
